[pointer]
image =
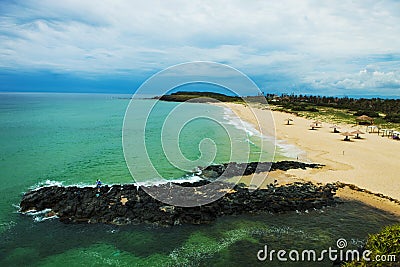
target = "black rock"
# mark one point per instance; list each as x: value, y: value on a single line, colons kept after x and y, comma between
x: 108, y: 207
x: 231, y: 169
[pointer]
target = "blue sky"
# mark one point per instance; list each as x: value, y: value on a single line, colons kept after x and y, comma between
x: 314, y: 47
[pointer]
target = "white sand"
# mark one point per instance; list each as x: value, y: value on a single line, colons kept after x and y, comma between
x: 372, y: 163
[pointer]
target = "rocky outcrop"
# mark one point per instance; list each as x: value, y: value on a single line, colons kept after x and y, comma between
x: 359, y: 189
x: 238, y: 169
x: 125, y: 204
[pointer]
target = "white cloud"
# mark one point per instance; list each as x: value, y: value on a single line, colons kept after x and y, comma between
x: 365, y: 79
x: 308, y: 40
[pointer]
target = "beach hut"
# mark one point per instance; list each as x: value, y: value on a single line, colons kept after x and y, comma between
x: 386, y: 132
x: 372, y: 128
x: 288, y: 120
x: 364, y: 119
x: 335, y: 127
x: 357, y: 133
x: 346, y: 136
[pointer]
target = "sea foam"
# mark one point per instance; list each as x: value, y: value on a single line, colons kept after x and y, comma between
x: 285, y: 149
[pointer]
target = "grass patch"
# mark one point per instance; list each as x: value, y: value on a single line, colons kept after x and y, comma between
x: 335, y: 116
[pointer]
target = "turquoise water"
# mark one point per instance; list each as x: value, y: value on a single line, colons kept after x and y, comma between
x: 76, y: 138
x: 180, y: 137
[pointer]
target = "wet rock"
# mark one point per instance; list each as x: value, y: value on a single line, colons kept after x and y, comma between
x: 231, y: 169
x: 141, y: 208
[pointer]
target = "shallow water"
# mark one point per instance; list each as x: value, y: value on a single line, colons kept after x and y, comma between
x: 230, y: 241
x: 77, y: 138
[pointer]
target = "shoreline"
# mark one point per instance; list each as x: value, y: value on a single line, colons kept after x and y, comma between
x: 354, y: 162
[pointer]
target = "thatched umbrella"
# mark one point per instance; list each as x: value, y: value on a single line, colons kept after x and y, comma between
x: 316, y: 123
x: 347, y: 134
x: 335, y: 127
x: 357, y: 133
x: 313, y: 125
x: 288, y: 120
x: 365, y: 118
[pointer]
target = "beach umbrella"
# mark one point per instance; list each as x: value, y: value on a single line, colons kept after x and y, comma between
x: 288, y: 121
x: 357, y: 133
x: 347, y: 134
x: 316, y: 123
x: 365, y: 118
x: 335, y: 127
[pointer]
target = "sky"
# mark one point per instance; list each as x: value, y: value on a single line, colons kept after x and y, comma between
x: 341, y: 48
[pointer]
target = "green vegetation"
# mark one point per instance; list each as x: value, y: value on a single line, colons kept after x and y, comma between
x: 387, y: 109
x: 200, y: 97
x: 369, y: 113
x: 205, y: 97
x: 393, y: 118
x: 385, y: 112
x: 386, y: 242
x: 298, y: 106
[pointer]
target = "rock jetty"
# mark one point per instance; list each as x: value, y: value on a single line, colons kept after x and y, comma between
x: 232, y: 169
x: 127, y: 204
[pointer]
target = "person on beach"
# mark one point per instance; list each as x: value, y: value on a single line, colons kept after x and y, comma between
x: 98, y: 185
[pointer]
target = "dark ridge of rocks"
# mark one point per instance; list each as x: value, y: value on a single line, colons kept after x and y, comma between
x: 228, y: 170
x: 126, y: 204
x: 359, y: 189
x: 193, y: 184
x: 287, y: 165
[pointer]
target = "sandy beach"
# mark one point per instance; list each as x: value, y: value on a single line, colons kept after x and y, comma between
x: 370, y: 163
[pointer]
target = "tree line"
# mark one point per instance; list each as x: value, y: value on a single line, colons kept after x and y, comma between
x: 361, y: 106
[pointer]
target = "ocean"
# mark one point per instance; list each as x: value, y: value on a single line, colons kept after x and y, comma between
x: 74, y: 139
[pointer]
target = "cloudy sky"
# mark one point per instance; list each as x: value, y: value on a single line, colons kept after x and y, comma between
x: 315, y: 47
